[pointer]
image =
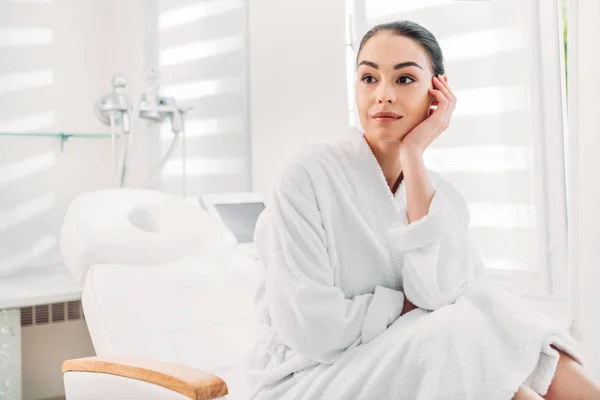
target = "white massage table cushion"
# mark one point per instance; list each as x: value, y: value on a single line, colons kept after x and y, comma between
x: 134, y: 226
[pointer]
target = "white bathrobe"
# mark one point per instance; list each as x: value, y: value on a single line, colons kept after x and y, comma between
x: 339, y: 256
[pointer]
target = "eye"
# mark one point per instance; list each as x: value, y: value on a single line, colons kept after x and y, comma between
x: 366, y: 77
x: 404, y: 77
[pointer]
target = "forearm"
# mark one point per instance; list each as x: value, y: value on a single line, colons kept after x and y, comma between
x: 419, y: 189
x: 437, y: 258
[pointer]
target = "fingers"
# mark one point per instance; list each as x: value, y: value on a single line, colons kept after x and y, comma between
x: 446, y: 87
x: 448, y: 102
x: 441, y: 113
x: 440, y: 97
x: 445, y: 98
x: 439, y: 83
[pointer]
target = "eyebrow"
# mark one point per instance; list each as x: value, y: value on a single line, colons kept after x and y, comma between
x: 396, y: 67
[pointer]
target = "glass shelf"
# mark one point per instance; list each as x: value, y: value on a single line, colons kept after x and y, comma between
x: 63, y: 136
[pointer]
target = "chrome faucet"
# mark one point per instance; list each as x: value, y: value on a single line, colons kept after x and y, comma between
x: 157, y: 108
x: 115, y: 110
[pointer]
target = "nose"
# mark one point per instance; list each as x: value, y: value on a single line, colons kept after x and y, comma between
x: 386, y: 94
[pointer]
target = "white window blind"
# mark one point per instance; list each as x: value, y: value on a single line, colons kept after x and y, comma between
x: 203, y: 64
x: 504, y: 147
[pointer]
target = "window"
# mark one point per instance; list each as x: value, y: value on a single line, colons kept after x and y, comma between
x: 504, y: 148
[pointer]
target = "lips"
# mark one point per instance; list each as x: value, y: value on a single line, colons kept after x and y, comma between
x: 386, y: 115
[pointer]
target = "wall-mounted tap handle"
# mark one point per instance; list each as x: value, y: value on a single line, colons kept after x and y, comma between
x: 119, y: 82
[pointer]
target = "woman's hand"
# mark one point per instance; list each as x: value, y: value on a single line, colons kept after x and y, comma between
x: 438, y: 121
x: 408, y: 306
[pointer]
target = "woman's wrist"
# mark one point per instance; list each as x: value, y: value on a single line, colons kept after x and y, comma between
x: 419, y: 188
x: 411, y: 159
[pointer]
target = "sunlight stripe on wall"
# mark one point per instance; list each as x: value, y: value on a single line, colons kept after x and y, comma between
x: 504, y: 264
x: 28, y: 123
x: 17, y: 81
x: 206, y: 127
x: 206, y: 166
x: 199, y: 50
x: 26, y: 211
x: 382, y: 8
x: 204, y: 88
x: 24, y: 36
x: 483, y: 43
x: 491, y: 100
x: 23, y: 168
x: 502, y: 215
x: 18, y: 260
x: 26, y: 1
x: 196, y: 11
x: 489, y: 158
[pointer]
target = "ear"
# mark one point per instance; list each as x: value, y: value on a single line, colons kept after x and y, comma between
x: 433, y: 103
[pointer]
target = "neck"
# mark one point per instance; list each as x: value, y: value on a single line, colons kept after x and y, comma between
x: 387, y: 154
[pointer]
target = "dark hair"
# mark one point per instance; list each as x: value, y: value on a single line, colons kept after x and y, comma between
x: 415, y: 32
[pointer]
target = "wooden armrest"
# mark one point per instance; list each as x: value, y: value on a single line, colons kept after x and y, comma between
x: 193, y: 383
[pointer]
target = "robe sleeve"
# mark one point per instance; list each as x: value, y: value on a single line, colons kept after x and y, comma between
x: 438, y: 259
x: 308, y: 312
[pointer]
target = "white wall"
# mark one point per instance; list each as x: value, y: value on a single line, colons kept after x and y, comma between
x: 584, y: 64
x: 50, y: 85
x: 45, y: 347
x: 297, y: 79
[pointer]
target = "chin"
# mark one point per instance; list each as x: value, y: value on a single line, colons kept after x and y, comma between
x: 386, y: 134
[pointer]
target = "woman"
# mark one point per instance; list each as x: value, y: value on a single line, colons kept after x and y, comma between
x: 371, y: 288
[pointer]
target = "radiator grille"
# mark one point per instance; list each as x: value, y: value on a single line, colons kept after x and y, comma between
x: 51, y: 313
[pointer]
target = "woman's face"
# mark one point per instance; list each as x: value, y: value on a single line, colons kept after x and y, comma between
x: 393, y: 76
